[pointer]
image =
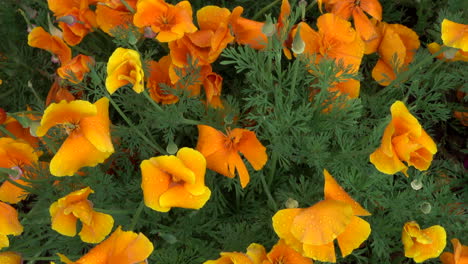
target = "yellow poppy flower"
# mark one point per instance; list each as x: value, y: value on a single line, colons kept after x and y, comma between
x: 124, y: 67
x: 10, y: 258
x: 455, y: 35
x: 123, y: 247
x: 404, y: 139
x: 88, y: 143
x: 67, y: 210
x: 175, y: 181
x: 421, y: 245
x: 9, y: 224
x: 311, y: 231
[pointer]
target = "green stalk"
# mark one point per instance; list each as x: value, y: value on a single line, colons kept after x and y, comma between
x: 154, y: 145
x: 6, y: 132
x: 136, y: 216
x: 264, y: 9
x: 268, y: 193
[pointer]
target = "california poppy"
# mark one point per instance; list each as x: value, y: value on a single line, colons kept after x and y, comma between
x: 20, y: 132
x: 124, y: 67
x: 175, y: 181
x: 451, y: 54
x: 39, y: 38
x: 459, y: 255
x: 421, y: 245
x: 75, y: 206
x: 281, y: 253
x: 396, y: 48
x: 222, y: 151
x: 76, y: 68
x: 311, y: 231
x: 404, y: 140
x: 455, y: 35
x: 88, y: 143
x: 58, y: 93
x: 123, y: 247
x: 9, y: 224
x: 19, y: 156
x: 110, y: 15
x: 231, y: 257
x: 9, y: 257
x: 169, y: 22
x: 213, y: 84
x: 347, y: 8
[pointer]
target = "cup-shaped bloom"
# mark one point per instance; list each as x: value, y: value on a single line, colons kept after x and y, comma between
x: 39, y: 38
x: 459, y: 255
x: 9, y: 224
x: 455, y: 35
x: 9, y: 257
x: 76, y: 68
x: 397, y: 47
x: 311, y: 231
x: 75, y: 206
x: 88, y: 142
x: 222, y: 151
x: 18, y: 156
x: 421, y: 245
x: 175, y: 181
x: 122, y: 247
x: 124, y: 67
x: 404, y: 140
x: 282, y: 253
x: 170, y: 22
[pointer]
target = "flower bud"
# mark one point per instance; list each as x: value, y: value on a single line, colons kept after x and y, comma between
x: 172, y: 148
x: 302, y: 6
x: 291, y: 203
x: 416, y: 184
x: 269, y: 28
x: 425, y: 207
x: 298, y: 44
x: 70, y: 20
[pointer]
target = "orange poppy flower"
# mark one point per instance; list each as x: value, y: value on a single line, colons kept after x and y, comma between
x: 75, y: 18
x: 122, y: 247
x: 3, y: 116
x: 9, y: 257
x: 39, y: 38
x: 222, y: 151
x: 88, y: 143
x: 9, y: 224
x: 175, y: 181
x: 170, y: 22
x: 449, y: 55
x: 67, y: 210
x: 213, y: 84
x: 421, y: 245
x: 459, y: 255
x: 111, y: 14
x: 311, y: 231
x: 231, y: 258
x: 404, y: 139
x: 206, y: 44
x: 281, y: 253
x: 76, y: 68
x: 160, y: 74
x: 347, y: 8
x: 246, y: 31
x: 336, y: 40
x: 58, y: 93
x: 124, y: 67
x: 455, y: 35
x: 20, y: 132
x: 396, y: 49
x: 19, y: 156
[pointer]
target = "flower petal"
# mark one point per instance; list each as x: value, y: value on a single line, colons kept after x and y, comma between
x: 324, y: 253
x: 195, y: 162
x: 282, y: 223
x: 154, y: 183
x: 96, y: 128
x: 252, y: 149
x: 334, y: 191
x: 63, y: 223
x: 100, y: 226
x: 355, y: 234
x: 9, y: 224
x: 455, y: 35
x: 178, y: 196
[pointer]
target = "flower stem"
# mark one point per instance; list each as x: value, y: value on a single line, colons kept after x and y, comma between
x: 136, y: 216
x: 263, y: 10
x: 6, y: 132
x: 154, y: 145
x: 268, y: 193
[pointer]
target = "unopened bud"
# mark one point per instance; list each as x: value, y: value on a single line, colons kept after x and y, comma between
x: 269, y: 28
x: 172, y: 148
x: 298, y: 44
x: 149, y: 33
x: 416, y: 184
x: 33, y: 128
x: 53, y: 30
x: 302, y: 6
x: 450, y: 53
x: 54, y: 59
x: 70, y: 20
x: 291, y: 203
x: 229, y: 118
x: 426, y: 207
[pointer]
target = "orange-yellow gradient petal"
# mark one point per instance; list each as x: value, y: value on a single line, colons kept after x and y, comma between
x: 124, y: 67
x: 324, y: 253
x: 97, y: 128
x: 423, y: 244
x: 355, y: 234
x: 282, y: 223
x: 39, y: 38
x: 282, y: 253
x: 9, y: 223
x: 459, y: 255
x: 455, y: 35
x: 10, y: 258
x: 334, y: 191
x: 99, y: 227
